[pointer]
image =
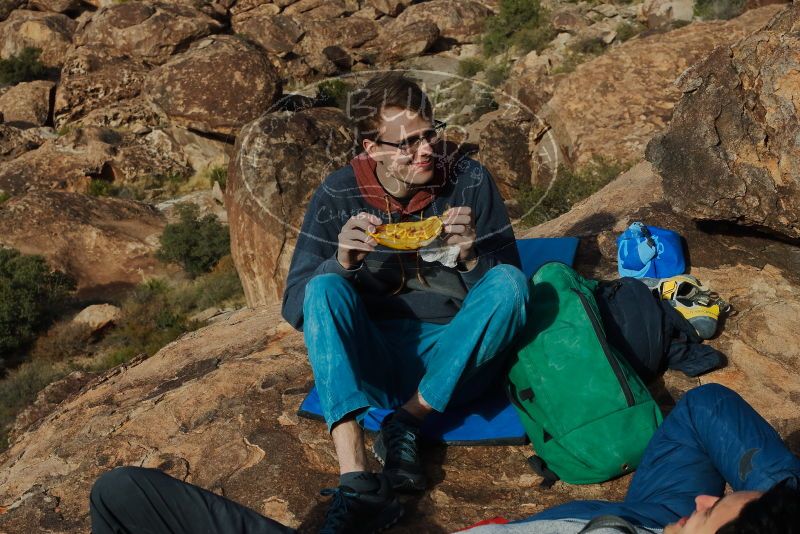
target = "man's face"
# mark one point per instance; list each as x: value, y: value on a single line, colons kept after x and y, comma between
x: 411, y: 169
x: 711, y: 513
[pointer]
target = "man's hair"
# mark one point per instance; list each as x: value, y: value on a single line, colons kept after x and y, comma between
x: 777, y: 511
x: 390, y: 89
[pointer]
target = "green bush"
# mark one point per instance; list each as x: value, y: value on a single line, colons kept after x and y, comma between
x: 627, y: 30
x: 469, y: 67
x: 221, y: 287
x: 536, y: 38
x: 101, y: 188
x: 514, y: 16
x: 4, y: 196
x: 497, y: 74
x: 219, y: 174
x: 31, y: 294
x: 196, y: 243
x: 23, y: 67
x: 19, y: 388
x: 540, y: 204
x: 589, y: 46
x: 157, y: 313
x: 718, y: 9
x: 333, y: 92
x: 151, y: 188
x: 149, y: 321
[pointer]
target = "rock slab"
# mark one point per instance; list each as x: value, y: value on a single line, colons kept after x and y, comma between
x: 734, y: 139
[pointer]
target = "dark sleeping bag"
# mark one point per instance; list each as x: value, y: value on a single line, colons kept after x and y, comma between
x: 650, y: 333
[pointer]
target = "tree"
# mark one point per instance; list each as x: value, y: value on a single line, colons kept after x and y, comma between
x: 196, y: 243
x: 31, y: 294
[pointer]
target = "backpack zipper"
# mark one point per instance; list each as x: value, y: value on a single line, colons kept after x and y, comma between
x: 612, y: 361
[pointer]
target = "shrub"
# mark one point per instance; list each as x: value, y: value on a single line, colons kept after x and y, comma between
x: 469, y: 67
x: 536, y: 38
x: 4, y: 196
x: 153, y: 187
x: 31, y: 294
x: 569, y: 187
x: 101, y: 188
x: 589, y: 46
x: 333, y: 92
x: 627, y: 30
x: 498, y: 73
x: 718, y: 9
x: 149, y: 321
x: 63, y: 341
x: 196, y: 243
x: 156, y: 312
x: 219, y: 174
x: 514, y: 15
x: 19, y: 388
x: 23, y: 67
x: 220, y: 287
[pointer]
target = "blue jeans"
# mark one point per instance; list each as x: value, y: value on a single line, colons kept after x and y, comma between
x: 360, y: 363
x: 711, y: 437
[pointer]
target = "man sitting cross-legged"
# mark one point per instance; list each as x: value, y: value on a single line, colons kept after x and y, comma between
x: 383, y: 327
x: 712, y: 436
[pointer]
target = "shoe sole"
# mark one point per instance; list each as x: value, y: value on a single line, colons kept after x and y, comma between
x: 405, y: 482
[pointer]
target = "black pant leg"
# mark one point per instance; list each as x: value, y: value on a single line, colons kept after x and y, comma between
x: 135, y: 500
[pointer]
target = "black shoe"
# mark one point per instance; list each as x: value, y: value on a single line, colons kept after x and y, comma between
x: 361, y: 513
x: 396, y: 448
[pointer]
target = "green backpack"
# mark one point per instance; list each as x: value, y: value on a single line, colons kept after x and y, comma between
x: 587, y: 413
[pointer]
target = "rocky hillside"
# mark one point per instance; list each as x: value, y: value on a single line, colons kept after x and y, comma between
x: 146, y: 101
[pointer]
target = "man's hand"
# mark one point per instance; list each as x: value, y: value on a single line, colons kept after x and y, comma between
x: 459, y: 230
x: 354, y: 243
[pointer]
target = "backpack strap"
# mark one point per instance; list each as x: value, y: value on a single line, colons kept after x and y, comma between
x: 548, y: 476
x: 609, y: 522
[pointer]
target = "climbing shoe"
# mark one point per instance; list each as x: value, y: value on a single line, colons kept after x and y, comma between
x: 356, y: 512
x: 696, y: 302
x: 397, y: 449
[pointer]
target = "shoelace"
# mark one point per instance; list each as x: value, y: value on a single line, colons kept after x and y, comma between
x: 402, y: 442
x: 336, y: 517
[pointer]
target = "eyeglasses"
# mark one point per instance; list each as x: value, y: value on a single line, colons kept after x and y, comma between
x: 412, y: 144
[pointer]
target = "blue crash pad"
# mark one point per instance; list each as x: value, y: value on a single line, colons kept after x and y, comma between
x: 490, y: 420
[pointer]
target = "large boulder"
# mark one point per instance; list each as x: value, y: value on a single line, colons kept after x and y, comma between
x: 732, y: 150
x: 14, y: 142
x: 458, y: 22
x: 612, y: 105
x: 68, y: 162
x: 277, y: 34
x: 49, y: 32
x: 344, y: 33
x: 28, y: 104
x: 98, y: 317
x: 149, y: 31
x: 106, y: 244
x: 72, y: 161
x: 389, y: 7
x: 95, y: 76
x: 136, y: 115
x: 281, y: 159
x: 218, y: 408
x: 403, y: 42
x: 503, y: 149
x: 55, y: 6
x: 220, y: 84
x: 7, y: 6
